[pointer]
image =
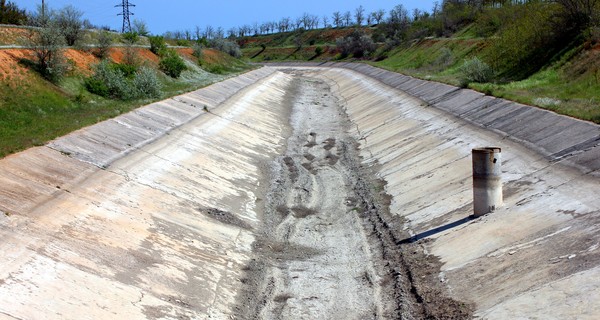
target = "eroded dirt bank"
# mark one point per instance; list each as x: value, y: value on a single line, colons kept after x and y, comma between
x: 326, y: 250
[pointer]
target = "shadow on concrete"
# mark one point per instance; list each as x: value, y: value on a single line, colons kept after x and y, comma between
x: 437, y: 230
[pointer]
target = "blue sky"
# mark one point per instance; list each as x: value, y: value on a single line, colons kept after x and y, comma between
x: 161, y: 15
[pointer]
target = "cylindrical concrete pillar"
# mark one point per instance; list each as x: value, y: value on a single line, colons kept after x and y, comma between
x: 487, y: 182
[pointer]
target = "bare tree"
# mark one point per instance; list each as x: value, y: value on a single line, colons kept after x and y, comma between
x: 399, y: 14
x: 209, y: 32
x: 306, y: 21
x: 337, y: 19
x: 298, y: 23
x: 197, y: 33
x: 272, y: 26
x: 325, y: 21
x: 264, y: 28
x: 244, y: 30
x: 436, y: 9
x: 379, y: 14
x: 140, y: 27
x: 284, y: 24
x: 219, y: 33
x: 416, y: 14
x: 347, y: 18
x: 314, y: 21
x: 359, y: 15
x: 88, y: 25
x: 232, y: 32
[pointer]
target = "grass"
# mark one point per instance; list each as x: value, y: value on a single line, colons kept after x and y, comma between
x: 553, y: 90
x: 570, y: 86
x: 428, y: 59
x: 33, y: 111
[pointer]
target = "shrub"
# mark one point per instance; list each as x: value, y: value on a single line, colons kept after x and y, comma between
x: 445, y: 58
x: 182, y: 43
x: 109, y: 80
x: 198, y: 47
x: 127, y: 70
x: 146, y: 83
x: 318, y: 51
x: 97, y: 86
x: 475, y: 70
x: 546, y: 102
x: 47, y: 48
x: 595, y: 34
x: 104, y: 42
x: 216, y: 69
x: 131, y: 57
x: 172, y: 64
x: 357, y: 43
x: 130, y: 37
x: 227, y: 46
x: 158, y: 45
x: 114, y: 80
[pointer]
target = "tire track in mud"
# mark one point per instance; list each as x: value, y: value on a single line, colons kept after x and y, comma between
x: 326, y: 250
x: 315, y: 260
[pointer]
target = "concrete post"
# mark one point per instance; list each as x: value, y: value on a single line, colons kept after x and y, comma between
x: 487, y: 182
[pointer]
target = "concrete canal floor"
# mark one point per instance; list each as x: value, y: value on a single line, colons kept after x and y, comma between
x: 305, y: 192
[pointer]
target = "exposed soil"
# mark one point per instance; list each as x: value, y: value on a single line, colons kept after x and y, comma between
x: 10, y: 69
x: 329, y: 248
x: 118, y: 55
x: 82, y: 60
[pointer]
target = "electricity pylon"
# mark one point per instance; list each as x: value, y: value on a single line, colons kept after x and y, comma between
x: 126, y: 14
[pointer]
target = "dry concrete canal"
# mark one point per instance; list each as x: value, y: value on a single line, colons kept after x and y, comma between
x: 305, y: 192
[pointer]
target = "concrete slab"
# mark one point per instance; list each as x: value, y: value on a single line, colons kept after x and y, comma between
x: 547, y: 230
x: 137, y: 239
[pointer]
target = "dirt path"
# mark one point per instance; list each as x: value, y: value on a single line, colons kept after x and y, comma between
x: 315, y: 261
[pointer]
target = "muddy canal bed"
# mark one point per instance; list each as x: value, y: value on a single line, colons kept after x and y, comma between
x: 325, y: 251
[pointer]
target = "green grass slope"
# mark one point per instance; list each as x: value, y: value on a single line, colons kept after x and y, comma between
x: 567, y: 83
x: 34, y: 110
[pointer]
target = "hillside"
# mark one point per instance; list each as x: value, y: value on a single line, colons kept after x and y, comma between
x: 565, y: 79
x: 34, y: 110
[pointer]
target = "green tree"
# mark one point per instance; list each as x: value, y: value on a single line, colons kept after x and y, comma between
x: 47, y: 45
x: 68, y: 19
x: 11, y: 14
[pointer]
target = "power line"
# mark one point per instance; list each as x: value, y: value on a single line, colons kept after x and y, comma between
x: 126, y: 14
